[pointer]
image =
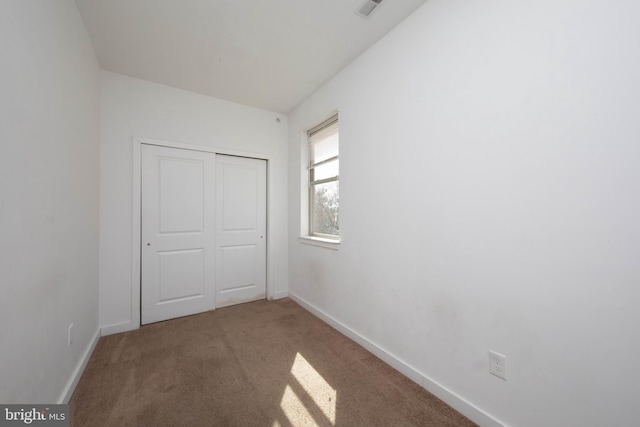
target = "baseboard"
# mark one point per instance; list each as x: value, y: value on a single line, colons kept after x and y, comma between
x: 77, y: 373
x: 452, y: 399
x: 280, y: 295
x: 116, y: 328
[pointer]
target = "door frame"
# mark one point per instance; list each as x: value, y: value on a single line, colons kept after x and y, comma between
x: 136, y: 214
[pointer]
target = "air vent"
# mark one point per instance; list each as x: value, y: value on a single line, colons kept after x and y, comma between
x: 368, y: 7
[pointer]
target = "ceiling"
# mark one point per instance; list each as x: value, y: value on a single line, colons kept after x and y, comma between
x: 269, y: 54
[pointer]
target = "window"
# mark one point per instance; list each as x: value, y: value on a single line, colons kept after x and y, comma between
x: 323, y: 180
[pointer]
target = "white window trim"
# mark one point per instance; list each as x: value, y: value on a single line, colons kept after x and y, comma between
x: 305, y: 237
x: 311, y: 238
x: 317, y: 241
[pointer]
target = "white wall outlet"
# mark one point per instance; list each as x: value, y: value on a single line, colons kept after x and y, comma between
x: 70, y: 335
x: 498, y: 364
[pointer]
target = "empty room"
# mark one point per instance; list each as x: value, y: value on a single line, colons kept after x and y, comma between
x: 332, y: 213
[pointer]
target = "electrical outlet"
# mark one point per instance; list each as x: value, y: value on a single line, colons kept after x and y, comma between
x: 498, y: 364
x: 70, y: 335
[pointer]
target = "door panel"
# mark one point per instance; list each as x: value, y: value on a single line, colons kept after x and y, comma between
x: 181, y: 275
x: 239, y: 267
x: 241, y: 230
x: 178, y: 232
x: 239, y: 196
x: 181, y: 187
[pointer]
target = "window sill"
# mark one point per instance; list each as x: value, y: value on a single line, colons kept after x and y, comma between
x: 317, y: 241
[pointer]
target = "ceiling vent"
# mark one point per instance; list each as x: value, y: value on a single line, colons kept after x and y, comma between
x: 368, y: 8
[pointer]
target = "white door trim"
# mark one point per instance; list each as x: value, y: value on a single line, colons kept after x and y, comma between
x: 136, y: 218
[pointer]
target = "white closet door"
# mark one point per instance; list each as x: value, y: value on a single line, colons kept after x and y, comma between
x: 178, y: 232
x: 241, y: 213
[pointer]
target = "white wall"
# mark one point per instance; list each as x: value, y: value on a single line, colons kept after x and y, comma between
x: 490, y: 162
x: 49, y: 142
x: 136, y: 108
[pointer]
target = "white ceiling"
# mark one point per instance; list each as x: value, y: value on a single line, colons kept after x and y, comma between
x: 269, y: 54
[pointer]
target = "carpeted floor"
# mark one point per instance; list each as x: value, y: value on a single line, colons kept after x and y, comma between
x: 257, y: 364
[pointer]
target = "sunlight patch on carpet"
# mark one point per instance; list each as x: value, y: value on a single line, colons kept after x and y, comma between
x: 322, y: 394
x: 295, y: 410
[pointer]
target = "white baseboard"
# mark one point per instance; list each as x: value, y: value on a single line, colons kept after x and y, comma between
x: 452, y: 399
x: 77, y: 373
x: 116, y: 328
x: 280, y: 295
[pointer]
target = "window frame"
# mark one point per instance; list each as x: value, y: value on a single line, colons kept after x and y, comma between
x: 312, y: 183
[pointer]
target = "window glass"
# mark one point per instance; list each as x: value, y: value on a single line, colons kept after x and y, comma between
x: 324, y: 168
x: 325, y: 208
x: 325, y: 147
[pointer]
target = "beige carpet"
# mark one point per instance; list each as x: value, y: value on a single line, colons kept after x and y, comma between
x: 257, y: 364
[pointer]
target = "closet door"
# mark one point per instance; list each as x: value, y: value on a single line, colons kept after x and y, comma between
x: 241, y: 213
x: 178, y: 233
